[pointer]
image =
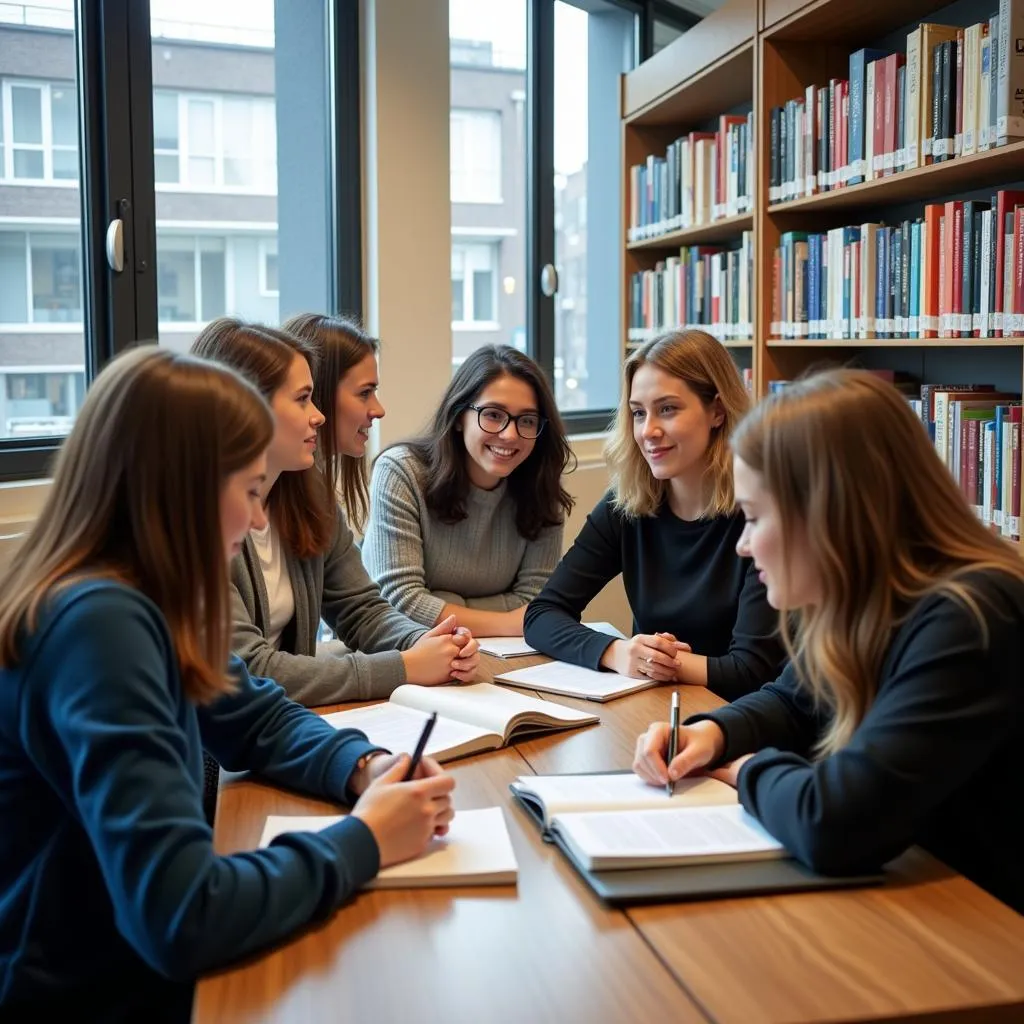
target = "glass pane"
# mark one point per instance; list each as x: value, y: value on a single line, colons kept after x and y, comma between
x: 664, y: 33
x: 200, y: 128
x: 176, y: 278
x: 592, y: 49
x: 165, y: 120
x: 42, y: 338
x: 487, y: 41
x: 165, y: 167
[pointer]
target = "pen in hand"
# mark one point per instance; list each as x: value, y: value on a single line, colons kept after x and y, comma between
x: 670, y: 786
x: 421, y: 745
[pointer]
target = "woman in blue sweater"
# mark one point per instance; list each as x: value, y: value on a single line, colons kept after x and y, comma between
x: 900, y: 718
x: 114, y: 675
x: 669, y: 526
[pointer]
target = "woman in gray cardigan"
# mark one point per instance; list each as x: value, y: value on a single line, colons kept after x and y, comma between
x: 304, y: 565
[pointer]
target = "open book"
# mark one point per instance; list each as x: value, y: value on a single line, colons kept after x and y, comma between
x: 469, y: 718
x: 517, y: 647
x: 476, y: 851
x: 573, y: 681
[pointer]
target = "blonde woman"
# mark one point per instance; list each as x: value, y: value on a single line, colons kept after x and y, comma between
x: 115, y: 626
x: 900, y: 718
x: 669, y: 526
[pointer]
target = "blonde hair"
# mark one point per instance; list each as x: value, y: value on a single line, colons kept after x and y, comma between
x: 707, y: 369
x: 851, y: 468
x: 136, y: 498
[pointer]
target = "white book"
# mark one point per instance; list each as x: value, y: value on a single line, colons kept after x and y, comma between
x: 517, y: 647
x: 476, y: 851
x: 469, y: 718
x: 551, y: 795
x: 573, y: 681
x: 617, y: 840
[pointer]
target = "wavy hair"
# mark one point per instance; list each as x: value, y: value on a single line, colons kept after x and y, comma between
x: 852, y: 470
x: 136, y: 498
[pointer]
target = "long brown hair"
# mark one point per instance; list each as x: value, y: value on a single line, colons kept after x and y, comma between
x: 136, y: 498
x: 535, y: 485
x: 299, y: 506
x: 850, y: 467
x: 339, y: 345
x: 707, y: 369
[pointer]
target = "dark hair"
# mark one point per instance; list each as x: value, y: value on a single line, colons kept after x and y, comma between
x: 339, y: 344
x: 299, y: 506
x: 536, y: 485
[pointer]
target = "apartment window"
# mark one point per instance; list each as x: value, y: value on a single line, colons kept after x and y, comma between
x: 166, y: 138
x: 474, y: 286
x: 39, y: 131
x: 40, y: 278
x: 268, y: 269
x: 191, y: 278
x: 475, y: 156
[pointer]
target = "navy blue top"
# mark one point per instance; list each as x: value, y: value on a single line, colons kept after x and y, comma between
x: 680, y: 577
x: 109, y: 883
x: 935, y: 761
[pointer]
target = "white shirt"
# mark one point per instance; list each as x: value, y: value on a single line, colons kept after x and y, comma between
x: 276, y: 580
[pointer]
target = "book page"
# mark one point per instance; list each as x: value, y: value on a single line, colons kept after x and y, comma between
x: 504, y: 646
x: 573, y: 681
x: 486, y: 706
x: 398, y: 729
x: 705, y: 833
x: 476, y: 851
x: 620, y: 791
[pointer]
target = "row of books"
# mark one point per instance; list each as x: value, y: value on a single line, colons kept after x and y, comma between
x: 703, y: 177
x: 954, y: 92
x: 707, y: 287
x: 956, y: 272
x: 976, y: 430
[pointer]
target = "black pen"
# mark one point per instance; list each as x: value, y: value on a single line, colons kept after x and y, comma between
x: 670, y: 786
x: 421, y: 745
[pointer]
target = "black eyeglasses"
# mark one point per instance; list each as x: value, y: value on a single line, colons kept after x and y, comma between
x: 493, y: 420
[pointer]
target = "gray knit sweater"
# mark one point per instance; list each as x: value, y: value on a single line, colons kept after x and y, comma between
x: 335, y: 587
x: 422, y: 564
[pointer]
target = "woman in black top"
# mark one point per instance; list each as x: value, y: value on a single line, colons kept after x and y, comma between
x: 900, y: 718
x: 669, y: 526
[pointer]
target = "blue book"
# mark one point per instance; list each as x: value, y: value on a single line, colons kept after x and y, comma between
x: 855, y: 126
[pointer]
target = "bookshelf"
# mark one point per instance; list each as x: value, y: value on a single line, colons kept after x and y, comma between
x: 751, y: 57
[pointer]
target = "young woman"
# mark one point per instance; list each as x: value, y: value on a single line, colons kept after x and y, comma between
x: 900, y: 718
x: 467, y: 519
x: 114, y: 676
x: 304, y: 563
x: 669, y: 525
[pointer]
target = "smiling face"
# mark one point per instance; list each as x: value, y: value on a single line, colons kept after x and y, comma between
x: 356, y: 406
x: 492, y: 457
x: 296, y: 421
x: 241, y: 507
x: 671, y: 425
x: 788, y: 575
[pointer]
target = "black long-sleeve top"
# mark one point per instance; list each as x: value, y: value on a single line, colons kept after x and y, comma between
x: 935, y: 760
x: 681, y: 577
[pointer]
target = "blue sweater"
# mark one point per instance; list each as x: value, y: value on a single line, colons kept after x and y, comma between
x: 109, y: 884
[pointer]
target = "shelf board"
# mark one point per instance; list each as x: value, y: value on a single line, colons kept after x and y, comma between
x: 851, y: 23
x: 895, y: 343
x: 964, y: 173
x: 732, y: 343
x: 717, y: 231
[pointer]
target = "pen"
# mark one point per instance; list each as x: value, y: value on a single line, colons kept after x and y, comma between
x: 421, y: 745
x: 672, y: 739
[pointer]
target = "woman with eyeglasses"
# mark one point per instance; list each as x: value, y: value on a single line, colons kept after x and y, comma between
x: 467, y: 519
x: 669, y: 526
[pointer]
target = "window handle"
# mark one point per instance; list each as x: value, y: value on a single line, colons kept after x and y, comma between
x: 548, y: 279
x: 115, y: 245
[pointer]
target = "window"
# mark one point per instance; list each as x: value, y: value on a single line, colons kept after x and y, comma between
x: 166, y: 144
x: 476, y: 156
x: 39, y: 121
x: 474, y: 286
x: 40, y: 278
x: 268, y: 269
x: 191, y: 278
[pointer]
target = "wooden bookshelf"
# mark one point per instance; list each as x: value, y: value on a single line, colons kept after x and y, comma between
x: 757, y: 55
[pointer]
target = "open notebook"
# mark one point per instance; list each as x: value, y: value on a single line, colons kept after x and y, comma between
x: 476, y: 851
x: 573, y: 681
x: 469, y: 718
x: 517, y: 647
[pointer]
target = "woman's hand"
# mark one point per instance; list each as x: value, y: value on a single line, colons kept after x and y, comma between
x: 430, y: 660
x: 645, y: 656
x: 465, y: 665
x: 696, y: 746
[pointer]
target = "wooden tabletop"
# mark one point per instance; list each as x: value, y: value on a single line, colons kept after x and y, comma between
x: 928, y: 946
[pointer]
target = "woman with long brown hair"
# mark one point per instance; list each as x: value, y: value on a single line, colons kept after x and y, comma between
x: 467, y: 519
x: 115, y: 629
x: 304, y: 564
x: 669, y: 526
x: 900, y: 717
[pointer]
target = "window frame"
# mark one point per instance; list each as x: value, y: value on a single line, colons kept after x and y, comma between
x: 47, y: 147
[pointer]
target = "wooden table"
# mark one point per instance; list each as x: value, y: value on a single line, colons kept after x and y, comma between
x: 929, y: 946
